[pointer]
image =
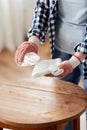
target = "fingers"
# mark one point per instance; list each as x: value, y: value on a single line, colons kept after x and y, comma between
x: 24, y: 48
x: 66, y: 67
x: 19, y: 54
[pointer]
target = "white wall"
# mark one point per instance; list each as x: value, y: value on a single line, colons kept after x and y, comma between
x: 15, y: 20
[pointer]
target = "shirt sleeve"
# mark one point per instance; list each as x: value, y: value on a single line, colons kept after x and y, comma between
x: 40, y: 20
x: 82, y: 47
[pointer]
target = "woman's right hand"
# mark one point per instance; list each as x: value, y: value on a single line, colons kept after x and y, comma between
x: 24, y: 48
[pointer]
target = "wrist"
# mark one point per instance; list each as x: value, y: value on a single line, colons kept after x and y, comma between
x: 74, y: 61
x: 35, y: 40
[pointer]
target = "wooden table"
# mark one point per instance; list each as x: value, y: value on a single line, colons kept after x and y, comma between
x: 40, y: 104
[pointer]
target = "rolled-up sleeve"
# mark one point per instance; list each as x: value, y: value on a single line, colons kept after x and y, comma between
x: 82, y: 47
x: 40, y: 20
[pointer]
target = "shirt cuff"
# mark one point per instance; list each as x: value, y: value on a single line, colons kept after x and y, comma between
x: 81, y: 47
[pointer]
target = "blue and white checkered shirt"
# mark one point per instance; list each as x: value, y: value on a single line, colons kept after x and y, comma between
x: 82, y: 47
x: 44, y: 20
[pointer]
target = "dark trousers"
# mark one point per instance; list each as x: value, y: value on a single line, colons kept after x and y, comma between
x: 73, y: 77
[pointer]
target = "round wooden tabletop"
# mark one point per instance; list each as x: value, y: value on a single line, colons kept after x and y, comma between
x: 38, y: 101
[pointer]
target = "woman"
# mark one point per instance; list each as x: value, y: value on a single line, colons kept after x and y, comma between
x: 65, y: 21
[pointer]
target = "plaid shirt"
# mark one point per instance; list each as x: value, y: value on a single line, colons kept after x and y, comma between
x: 44, y: 19
x: 82, y: 47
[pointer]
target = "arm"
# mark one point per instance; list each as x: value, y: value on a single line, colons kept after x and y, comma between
x: 37, y: 33
x: 71, y: 64
x: 76, y: 59
x: 40, y: 20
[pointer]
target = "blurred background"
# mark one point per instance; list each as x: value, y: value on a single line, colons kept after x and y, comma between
x: 15, y: 20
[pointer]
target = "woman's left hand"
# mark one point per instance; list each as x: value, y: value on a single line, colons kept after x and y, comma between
x: 66, y: 66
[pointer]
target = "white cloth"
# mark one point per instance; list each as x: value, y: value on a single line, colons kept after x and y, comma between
x: 44, y: 67
x: 30, y: 59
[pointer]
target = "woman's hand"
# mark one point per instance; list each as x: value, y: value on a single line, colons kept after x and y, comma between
x: 24, y: 48
x: 66, y: 66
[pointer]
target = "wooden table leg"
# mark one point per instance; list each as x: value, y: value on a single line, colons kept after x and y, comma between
x: 76, y: 124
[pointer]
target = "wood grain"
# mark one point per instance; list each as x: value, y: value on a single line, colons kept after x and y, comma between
x: 28, y: 103
x: 31, y: 105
